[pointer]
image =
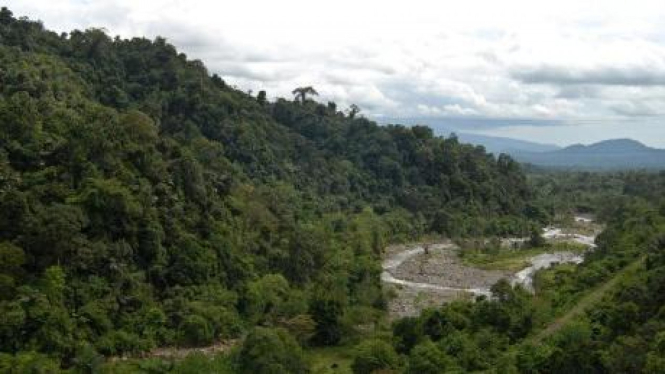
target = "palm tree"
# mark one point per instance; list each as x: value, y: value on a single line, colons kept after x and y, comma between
x: 302, y: 92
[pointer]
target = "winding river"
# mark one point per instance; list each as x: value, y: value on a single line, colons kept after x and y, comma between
x: 524, y: 277
x: 391, y: 263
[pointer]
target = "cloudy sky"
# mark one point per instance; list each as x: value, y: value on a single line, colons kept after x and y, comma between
x: 550, y: 71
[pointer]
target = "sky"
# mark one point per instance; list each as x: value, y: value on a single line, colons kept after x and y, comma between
x: 558, y: 72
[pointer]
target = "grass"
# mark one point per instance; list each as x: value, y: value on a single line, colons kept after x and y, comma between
x: 330, y: 360
x: 512, y: 259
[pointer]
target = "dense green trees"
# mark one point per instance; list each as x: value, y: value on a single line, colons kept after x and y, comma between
x: 146, y: 203
x: 268, y: 351
x: 374, y: 356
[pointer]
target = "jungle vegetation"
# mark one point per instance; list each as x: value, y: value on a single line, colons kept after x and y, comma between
x: 146, y: 203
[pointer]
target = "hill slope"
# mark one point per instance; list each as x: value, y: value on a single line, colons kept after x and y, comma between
x: 144, y: 202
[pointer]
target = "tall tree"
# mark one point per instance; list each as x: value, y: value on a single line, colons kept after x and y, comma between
x: 301, y: 93
x: 353, y: 111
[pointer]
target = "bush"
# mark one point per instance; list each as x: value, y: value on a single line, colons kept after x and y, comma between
x: 268, y: 351
x: 196, y: 330
x: 28, y: 362
x: 427, y: 358
x: 87, y: 360
x: 120, y: 342
x: 374, y: 355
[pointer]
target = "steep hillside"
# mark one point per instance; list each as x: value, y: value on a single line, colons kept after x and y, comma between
x: 144, y: 202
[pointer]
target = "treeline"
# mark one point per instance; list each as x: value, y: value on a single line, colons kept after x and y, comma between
x: 562, y: 193
x: 144, y: 202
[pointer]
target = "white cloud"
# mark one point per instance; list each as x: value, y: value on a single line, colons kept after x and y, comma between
x: 573, y: 61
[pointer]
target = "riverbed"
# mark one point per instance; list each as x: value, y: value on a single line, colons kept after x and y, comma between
x: 422, y: 279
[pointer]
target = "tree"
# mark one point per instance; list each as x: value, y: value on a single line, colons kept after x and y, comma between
x: 302, y: 92
x: 353, y: 111
x: 87, y: 360
x: 53, y: 234
x: 332, y: 107
x: 533, y: 358
x: 407, y: 332
x: 28, y: 362
x: 374, y: 355
x: 326, y: 313
x: 261, y: 97
x: 12, y: 259
x: 196, y: 330
x: 536, y: 240
x: 265, y: 297
x: 427, y: 358
x: 574, y: 350
x: 269, y: 351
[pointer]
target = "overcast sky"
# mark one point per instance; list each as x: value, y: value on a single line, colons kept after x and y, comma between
x: 557, y: 71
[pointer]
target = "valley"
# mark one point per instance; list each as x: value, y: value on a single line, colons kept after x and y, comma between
x: 157, y: 217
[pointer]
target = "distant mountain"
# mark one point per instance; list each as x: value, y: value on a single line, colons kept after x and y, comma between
x: 493, y: 144
x: 608, y: 155
x: 496, y: 144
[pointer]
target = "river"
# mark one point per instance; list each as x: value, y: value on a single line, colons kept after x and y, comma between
x: 440, y: 284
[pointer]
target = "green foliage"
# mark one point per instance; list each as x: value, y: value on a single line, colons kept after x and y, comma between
x: 267, y: 351
x: 28, y: 362
x: 145, y: 203
x: 326, y: 313
x: 375, y: 356
x: 87, y: 360
x: 427, y: 358
x: 195, y: 330
x: 12, y: 258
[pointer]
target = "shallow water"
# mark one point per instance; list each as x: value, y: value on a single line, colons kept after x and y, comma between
x: 542, y: 261
x: 524, y: 277
x: 394, y: 261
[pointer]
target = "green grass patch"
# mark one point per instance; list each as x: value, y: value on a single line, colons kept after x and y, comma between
x: 510, y: 259
x: 330, y: 360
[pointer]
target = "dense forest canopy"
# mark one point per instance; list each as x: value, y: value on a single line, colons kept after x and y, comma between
x: 144, y: 202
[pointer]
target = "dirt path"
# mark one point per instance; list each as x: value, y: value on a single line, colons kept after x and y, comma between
x: 181, y: 352
x: 586, y: 302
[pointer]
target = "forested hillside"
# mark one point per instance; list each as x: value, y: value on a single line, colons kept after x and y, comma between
x: 145, y: 203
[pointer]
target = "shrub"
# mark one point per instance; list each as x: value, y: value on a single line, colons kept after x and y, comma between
x: 268, y: 351
x: 374, y: 355
x: 196, y: 330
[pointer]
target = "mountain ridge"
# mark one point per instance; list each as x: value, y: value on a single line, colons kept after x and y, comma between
x: 610, y: 154
x: 500, y: 144
x: 611, y: 145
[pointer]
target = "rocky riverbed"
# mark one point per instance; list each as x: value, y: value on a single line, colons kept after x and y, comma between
x: 421, y: 279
